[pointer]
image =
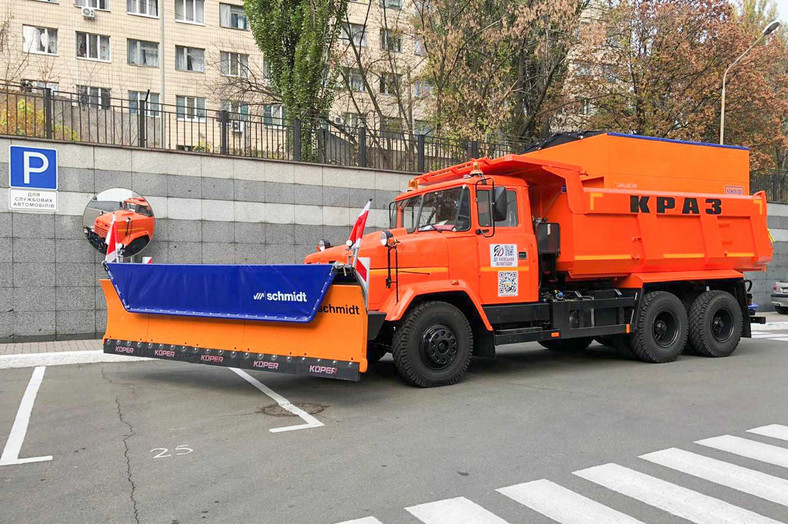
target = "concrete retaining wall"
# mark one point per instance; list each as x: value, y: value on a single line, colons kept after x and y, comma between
x: 209, y: 210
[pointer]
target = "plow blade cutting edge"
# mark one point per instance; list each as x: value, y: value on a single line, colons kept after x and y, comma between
x: 299, y: 319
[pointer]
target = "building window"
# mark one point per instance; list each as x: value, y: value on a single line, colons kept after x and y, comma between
x: 233, y: 16
x: 419, y: 48
x: 353, y: 120
x: 234, y: 64
x: 152, y: 106
x: 391, y: 4
x: 40, y: 84
x: 41, y: 40
x: 355, y: 33
x: 273, y: 115
x: 143, y: 53
x: 189, y: 59
x: 143, y: 7
x: 353, y: 79
x: 422, y: 88
x: 192, y: 11
x: 423, y: 127
x: 389, y: 83
x: 390, y: 126
x: 190, y: 108
x: 239, y: 114
x: 94, y: 97
x: 102, y: 5
x: 93, y: 47
x: 390, y: 41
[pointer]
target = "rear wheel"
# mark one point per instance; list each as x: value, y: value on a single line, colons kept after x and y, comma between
x: 433, y: 345
x: 660, y: 328
x: 570, y: 345
x: 715, y: 324
x: 781, y: 310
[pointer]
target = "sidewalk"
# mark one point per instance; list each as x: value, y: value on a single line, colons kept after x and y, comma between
x: 28, y: 348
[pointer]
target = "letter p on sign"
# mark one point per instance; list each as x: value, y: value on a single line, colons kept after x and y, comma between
x: 32, y: 168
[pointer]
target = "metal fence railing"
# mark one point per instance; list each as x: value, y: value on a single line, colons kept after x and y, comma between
x: 96, y: 118
x: 775, y: 183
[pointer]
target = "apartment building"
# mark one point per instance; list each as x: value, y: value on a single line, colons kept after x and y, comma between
x: 177, y: 52
x: 170, y: 51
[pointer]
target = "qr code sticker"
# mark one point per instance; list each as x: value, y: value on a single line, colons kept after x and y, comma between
x: 507, y: 283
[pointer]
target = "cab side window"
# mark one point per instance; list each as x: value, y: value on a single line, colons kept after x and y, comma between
x: 483, y: 204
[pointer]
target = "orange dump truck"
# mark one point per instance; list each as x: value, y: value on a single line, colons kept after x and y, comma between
x: 135, y: 225
x: 636, y: 242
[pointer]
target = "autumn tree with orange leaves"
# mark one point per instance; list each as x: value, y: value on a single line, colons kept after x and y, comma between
x: 655, y: 67
x: 496, y: 66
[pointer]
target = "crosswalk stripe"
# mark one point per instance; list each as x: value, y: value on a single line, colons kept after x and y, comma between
x: 563, y: 505
x: 748, y: 448
x: 749, y: 481
x: 764, y: 334
x: 780, y: 339
x: 365, y: 520
x: 454, y: 511
x: 772, y: 430
x: 679, y: 501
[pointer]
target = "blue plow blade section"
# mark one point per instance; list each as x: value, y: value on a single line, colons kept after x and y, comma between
x: 283, y: 293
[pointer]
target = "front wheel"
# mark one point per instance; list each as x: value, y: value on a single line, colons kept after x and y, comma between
x: 715, y: 324
x: 432, y: 346
x: 660, y: 332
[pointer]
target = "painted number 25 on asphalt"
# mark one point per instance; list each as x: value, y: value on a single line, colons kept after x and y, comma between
x: 180, y: 449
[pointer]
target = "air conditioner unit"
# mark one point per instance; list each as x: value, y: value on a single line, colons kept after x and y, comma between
x: 88, y: 12
x: 238, y: 126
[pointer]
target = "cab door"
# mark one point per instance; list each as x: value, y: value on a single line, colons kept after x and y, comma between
x: 508, y: 257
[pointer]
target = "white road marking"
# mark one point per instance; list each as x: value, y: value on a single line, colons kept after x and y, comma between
x: 679, y: 501
x: 747, y: 480
x: 563, y: 505
x: 311, y: 422
x: 773, y: 431
x: 365, y: 520
x: 748, y: 448
x: 780, y: 339
x: 13, y: 446
x: 453, y: 511
x: 62, y: 358
x: 757, y: 334
x: 771, y: 326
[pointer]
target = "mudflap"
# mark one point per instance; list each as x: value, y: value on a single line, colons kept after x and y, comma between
x: 332, y: 345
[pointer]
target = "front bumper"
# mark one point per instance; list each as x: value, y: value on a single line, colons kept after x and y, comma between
x: 780, y: 299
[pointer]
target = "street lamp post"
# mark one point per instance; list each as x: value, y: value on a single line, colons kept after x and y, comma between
x: 771, y: 28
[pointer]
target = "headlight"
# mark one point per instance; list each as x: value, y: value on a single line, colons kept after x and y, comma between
x: 323, y: 244
x: 387, y: 238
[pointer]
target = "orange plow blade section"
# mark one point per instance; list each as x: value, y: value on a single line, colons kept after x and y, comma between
x: 333, y: 345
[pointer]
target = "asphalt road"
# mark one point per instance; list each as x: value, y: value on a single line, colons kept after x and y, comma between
x: 175, y: 443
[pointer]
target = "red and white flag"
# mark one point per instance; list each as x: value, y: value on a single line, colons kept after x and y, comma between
x: 112, y: 242
x: 354, y: 242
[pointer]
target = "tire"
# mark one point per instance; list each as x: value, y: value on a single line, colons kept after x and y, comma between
x: 570, y: 345
x: 660, y: 330
x: 715, y: 324
x: 135, y: 246
x: 781, y: 310
x: 432, y: 346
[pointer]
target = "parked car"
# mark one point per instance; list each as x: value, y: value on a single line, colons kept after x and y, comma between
x: 780, y: 297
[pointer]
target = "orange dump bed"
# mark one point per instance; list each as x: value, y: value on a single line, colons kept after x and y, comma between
x: 616, y: 161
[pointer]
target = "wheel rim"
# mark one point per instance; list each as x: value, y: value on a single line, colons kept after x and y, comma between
x: 665, y: 329
x: 722, y: 325
x: 438, y: 347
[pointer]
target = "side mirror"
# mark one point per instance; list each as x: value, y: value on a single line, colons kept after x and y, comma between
x: 500, y: 205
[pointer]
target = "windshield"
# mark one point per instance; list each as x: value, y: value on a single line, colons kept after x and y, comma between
x: 136, y: 208
x: 445, y: 210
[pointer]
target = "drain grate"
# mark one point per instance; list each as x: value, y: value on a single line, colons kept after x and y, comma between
x: 275, y: 410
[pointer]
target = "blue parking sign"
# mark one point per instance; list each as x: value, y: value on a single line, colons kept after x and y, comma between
x: 32, y: 168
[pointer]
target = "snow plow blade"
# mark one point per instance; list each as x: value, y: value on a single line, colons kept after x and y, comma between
x: 305, y: 320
